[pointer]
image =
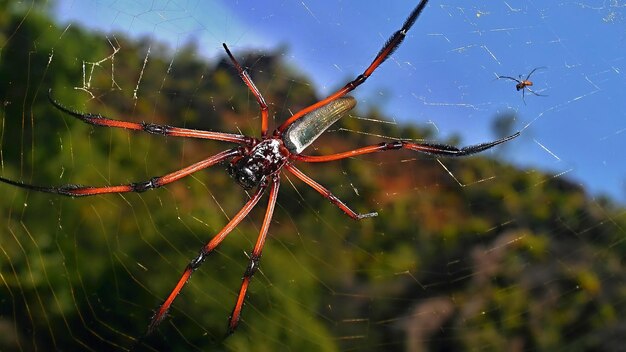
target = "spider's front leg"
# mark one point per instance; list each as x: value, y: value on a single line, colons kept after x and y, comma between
x: 255, y: 91
x: 164, y: 130
x: 385, y: 52
x: 443, y: 150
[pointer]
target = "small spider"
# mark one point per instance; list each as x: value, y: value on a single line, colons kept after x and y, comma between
x: 257, y: 163
x: 523, y: 84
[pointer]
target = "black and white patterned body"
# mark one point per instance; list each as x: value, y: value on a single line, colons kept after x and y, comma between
x: 263, y: 160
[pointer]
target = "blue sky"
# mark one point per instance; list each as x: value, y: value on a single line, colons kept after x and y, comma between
x: 445, y: 72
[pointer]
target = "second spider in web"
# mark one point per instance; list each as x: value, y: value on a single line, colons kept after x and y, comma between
x: 258, y: 163
x: 523, y: 84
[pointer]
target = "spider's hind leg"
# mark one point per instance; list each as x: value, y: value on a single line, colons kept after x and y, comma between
x: 207, y: 249
x: 164, y: 130
x: 255, y: 257
x: 328, y: 195
x: 535, y: 93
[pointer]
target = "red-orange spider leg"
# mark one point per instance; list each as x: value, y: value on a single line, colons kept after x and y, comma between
x: 327, y: 194
x: 255, y: 91
x: 432, y: 149
x: 204, y: 252
x: 72, y: 190
x: 234, y: 318
x: 392, y: 43
x: 165, y: 130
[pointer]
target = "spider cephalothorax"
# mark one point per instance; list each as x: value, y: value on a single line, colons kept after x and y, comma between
x: 258, y: 163
x: 264, y: 159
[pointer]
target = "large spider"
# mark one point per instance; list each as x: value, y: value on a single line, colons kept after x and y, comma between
x: 257, y: 163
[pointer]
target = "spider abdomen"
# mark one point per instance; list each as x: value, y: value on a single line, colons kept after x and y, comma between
x: 309, y: 127
x: 263, y: 160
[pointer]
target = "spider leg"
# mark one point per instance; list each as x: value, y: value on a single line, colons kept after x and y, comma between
x: 255, y: 91
x: 165, y: 130
x: 327, y: 194
x: 204, y: 252
x: 533, y: 71
x: 535, y: 93
x: 253, y: 266
x: 426, y: 148
x: 73, y: 190
x: 511, y: 78
x: 390, y: 46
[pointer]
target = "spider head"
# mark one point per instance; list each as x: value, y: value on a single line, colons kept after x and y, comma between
x: 258, y: 163
x: 245, y: 173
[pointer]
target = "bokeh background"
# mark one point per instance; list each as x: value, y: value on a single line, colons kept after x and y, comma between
x: 518, y: 248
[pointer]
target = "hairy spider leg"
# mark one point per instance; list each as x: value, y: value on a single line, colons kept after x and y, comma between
x: 255, y: 257
x: 99, y: 120
x: 390, y: 46
x: 426, y: 148
x: 73, y: 190
x: 327, y: 194
x: 255, y: 91
x: 204, y: 252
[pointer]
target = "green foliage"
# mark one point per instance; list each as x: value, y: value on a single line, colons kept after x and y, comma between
x: 522, y: 260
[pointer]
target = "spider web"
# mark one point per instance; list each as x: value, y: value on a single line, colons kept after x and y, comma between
x: 519, y: 248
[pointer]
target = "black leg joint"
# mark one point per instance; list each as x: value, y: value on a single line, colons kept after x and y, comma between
x: 392, y: 145
x: 88, y: 117
x: 360, y: 79
x: 331, y: 197
x: 146, y: 185
x: 155, y: 129
x: 197, y: 261
x: 253, y: 266
x: 68, y: 190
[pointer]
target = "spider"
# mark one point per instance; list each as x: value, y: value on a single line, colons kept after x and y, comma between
x: 257, y: 163
x: 523, y: 84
